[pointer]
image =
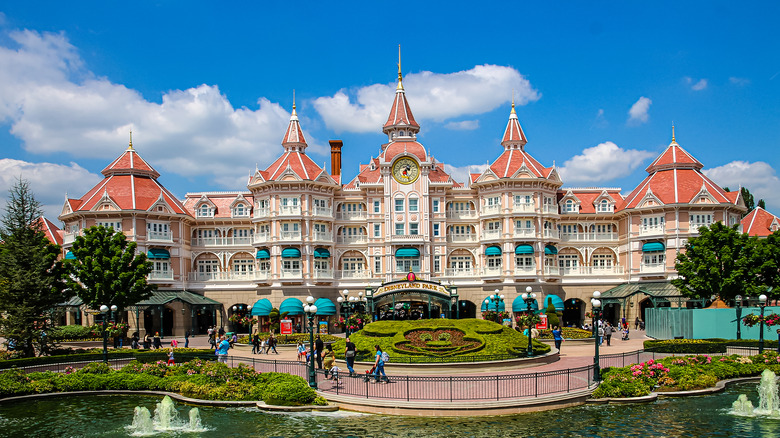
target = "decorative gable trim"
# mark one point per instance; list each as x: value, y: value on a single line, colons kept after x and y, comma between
x: 161, y: 205
x: 649, y: 200
x: 524, y: 172
x: 105, y: 203
x: 703, y: 197
x: 487, y: 175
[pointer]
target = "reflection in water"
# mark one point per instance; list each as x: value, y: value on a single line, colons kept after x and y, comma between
x: 109, y: 416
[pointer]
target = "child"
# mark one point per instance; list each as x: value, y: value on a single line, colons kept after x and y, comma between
x: 170, y: 357
x: 334, y: 374
x: 301, y: 351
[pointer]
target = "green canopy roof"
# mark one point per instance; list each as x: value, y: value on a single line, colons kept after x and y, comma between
x: 262, y: 307
x: 162, y: 297
x: 518, y: 305
x: 325, y: 307
x: 556, y: 301
x: 407, y: 252
x: 291, y: 253
x: 653, y: 246
x: 263, y: 254
x: 654, y: 289
x: 70, y: 256
x: 492, y: 305
x: 550, y: 250
x: 321, y: 253
x: 293, y: 306
x: 158, y: 253
x: 493, y: 250
x: 524, y: 249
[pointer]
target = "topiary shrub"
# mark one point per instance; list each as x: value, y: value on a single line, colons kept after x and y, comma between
x: 552, y: 316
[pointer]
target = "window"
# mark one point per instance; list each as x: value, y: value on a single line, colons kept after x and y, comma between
x: 436, y: 263
x: 524, y: 261
x: 264, y: 265
x: 242, y: 235
x: 353, y: 207
x: 414, y: 229
x: 321, y: 265
x: 524, y: 224
x: 290, y: 202
x: 205, y: 210
x: 523, y: 200
x: 568, y: 261
x: 240, y: 210
x: 291, y: 264
x: 653, y: 258
x: 604, y: 206
x: 377, y: 207
x: 568, y: 228
x: 157, y: 230
x: 701, y: 220
x: 263, y: 229
x: 162, y: 268
x: 399, y: 229
x: 436, y: 232
x: 206, y: 234
x: 653, y: 221
x: 602, y: 229
x: 262, y: 204
x: 570, y: 206
x: 460, y: 230
x: 399, y: 204
x: 377, y: 230
x: 435, y: 206
x: 116, y: 225
x: 320, y: 228
x: 406, y: 264
x: 460, y: 206
x: 353, y: 264
x: 290, y: 226
x: 208, y: 268
x: 413, y: 205
x: 493, y: 261
x: 493, y: 201
x: 602, y: 261
x: 377, y: 263
x: 493, y: 226
x: 243, y: 266
x: 460, y: 263
x: 320, y: 203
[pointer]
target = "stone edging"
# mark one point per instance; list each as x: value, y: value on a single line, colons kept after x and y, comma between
x: 195, y: 401
x: 653, y: 396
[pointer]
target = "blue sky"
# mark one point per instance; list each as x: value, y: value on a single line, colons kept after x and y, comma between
x: 207, y: 87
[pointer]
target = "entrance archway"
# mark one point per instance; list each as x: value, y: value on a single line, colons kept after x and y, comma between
x: 167, y: 328
x: 573, y: 312
x: 611, y: 313
x: 467, y: 309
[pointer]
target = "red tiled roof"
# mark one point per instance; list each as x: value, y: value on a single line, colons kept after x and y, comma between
x: 588, y: 197
x: 675, y: 186
x: 513, y: 134
x: 53, y: 232
x: 438, y: 174
x: 759, y: 222
x: 674, y: 157
x: 400, y: 112
x: 294, y: 134
x: 298, y: 162
x: 130, y: 192
x: 397, y: 148
x: 130, y: 163
x: 222, y: 202
x: 510, y: 161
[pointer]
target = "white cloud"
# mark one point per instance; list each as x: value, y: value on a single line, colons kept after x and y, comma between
x: 461, y: 174
x: 599, y: 121
x: 464, y: 125
x: 701, y: 84
x: 49, y: 182
x: 437, y: 97
x: 55, y: 105
x: 601, y: 163
x: 759, y: 177
x: 638, y: 112
x: 740, y: 82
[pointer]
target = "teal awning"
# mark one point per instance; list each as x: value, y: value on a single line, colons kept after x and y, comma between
x: 291, y: 253
x: 556, y: 301
x: 262, y: 307
x: 158, y: 253
x: 263, y: 254
x: 653, y: 246
x: 518, y: 305
x: 70, y: 256
x: 550, y: 250
x: 524, y: 249
x: 293, y: 306
x: 493, y: 250
x: 492, y: 305
x: 407, y: 252
x: 325, y: 307
x: 321, y: 253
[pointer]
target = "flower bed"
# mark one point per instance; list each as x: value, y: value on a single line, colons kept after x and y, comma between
x: 95, y: 354
x: 568, y: 333
x: 289, y: 339
x: 681, y: 373
x: 198, y: 379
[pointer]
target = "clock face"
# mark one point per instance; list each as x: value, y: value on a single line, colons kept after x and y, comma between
x: 406, y: 170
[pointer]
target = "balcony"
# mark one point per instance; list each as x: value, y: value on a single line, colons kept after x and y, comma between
x: 491, y: 209
x: 322, y: 211
x: 461, y: 214
x: 159, y: 236
x: 287, y: 236
x: 524, y: 207
x: 528, y: 233
x: 353, y: 273
x: 160, y: 275
x: 650, y: 230
x: 552, y: 271
x: 261, y: 238
x: 461, y: 238
x: 551, y: 234
x: 291, y: 274
x: 222, y: 241
x: 228, y: 276
x: 290, y: 210
x: 492, y: 272
x: 525, y: 271
x: 68, y: 238
x: 652, y: 268
x: 322, y: 236
x: 351, y: 215
x: 406, y: 237
x: 460, y: 272
x: 491, y: 234
x: 356, y: 239
x: 550, y: 209
x: 262, y: 212
x: 323, y: 274
x: 595, y: 271
x: 589, y: 237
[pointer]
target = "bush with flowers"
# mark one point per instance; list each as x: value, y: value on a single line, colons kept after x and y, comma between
x: 353, y: 322
x: 753, y: 319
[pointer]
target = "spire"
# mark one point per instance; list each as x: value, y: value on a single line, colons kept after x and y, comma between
x: 293, y: 140
x: 514, y: 137
x: 673, y: 140
x: 400, y: 122
x: 130, y: 147
x: 674, y: 157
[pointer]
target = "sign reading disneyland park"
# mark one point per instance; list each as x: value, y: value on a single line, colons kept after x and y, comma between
x: 411, y: 285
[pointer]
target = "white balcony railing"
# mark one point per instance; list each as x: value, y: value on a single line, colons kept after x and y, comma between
x: 460, y: 272
x: 290, y: 235
x: 525, y: 270
x: 356, y: 239
x: 262, y: 212
x: 159, y: 236
x: 588, y: 237
x: 596, y: 271
x: 645, y: 230
x: 229, y: 276
x: 323, y: 211
x: 407, y: 237
x: 652, y: 268
x: 491, y: 272
x: 461, y: 214
x: 552, y: 271
x: 550, y: 209
x: 525, y: 232
x: 322, y: 273
x: 161, y: 275
x: 354, y: 273
x: 524, y: 207
x: 461, y: 238
x: 491, y: 234
x: 322, y: 236
x: 551, y: 234
x: 222, y: 241
x: 491, y: 209
x: 289, y: 210
x: 261, y: 238
x: 287, y: 274
x: 351, y: 215
x: 69, y: 238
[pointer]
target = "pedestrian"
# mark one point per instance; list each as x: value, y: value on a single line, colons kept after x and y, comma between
x: 349, y: 354
x: 557, y: 337
x: 212, y: 342
x: 233, y: 339
x: 222, y: 349
x: 600, y: 334
x: 379, y: 365
x: 174, y: 343
x: 255, y: 343
x: 272, y: 344
x: 221, y: 332
x: 264, y: 346
x: 318, y: 347
x: 608, y: 329
x: 170, y: 357
x: 187, y: 339
x: 534, y: 333
x: 147, y: 341
x: 134, y: 343
x: 625, y: 333
x: 157, y: 341
x: 301, y: 351
x: 329, y: 359
x: 636, y: 323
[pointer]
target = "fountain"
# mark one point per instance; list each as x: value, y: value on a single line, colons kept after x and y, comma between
x: 166, y: 418
x: 768, y: 401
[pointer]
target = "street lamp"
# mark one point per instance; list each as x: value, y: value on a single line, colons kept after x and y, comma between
x: 310, y: 309
x: 738, y: 302
x: 596, y: 302
x: 104, y: 310
x: 762, y: 304
x: 529, y: 298
x: 496, y: 299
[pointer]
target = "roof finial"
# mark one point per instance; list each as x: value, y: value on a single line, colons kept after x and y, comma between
x: 400, y: 77
x: 130, y: 147
x: 673, y: 140
x: 513, y: 102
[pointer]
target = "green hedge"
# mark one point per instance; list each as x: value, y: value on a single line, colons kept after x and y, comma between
x: 97, y: 355
x: 568, y: 333
x: 199, y: 379
x: 702, y: 346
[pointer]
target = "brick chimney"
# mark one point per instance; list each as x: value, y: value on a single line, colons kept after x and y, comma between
x: 335, y: 156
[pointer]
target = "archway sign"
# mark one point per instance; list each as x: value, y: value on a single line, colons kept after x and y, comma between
x: 412, y: 298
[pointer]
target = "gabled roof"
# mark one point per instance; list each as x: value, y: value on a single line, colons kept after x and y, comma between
x: 52, y: 232
x: 513, y: 162
x: 760, y: 222
x: 221, y: 201
x: 400, y: 113
x: 294, y: 163
x: 130, y: 163
x: 589, y: 197
x: 513, y: 134
x: 674, y: 157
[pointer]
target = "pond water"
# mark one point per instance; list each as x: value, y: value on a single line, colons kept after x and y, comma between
x: 111, y: 416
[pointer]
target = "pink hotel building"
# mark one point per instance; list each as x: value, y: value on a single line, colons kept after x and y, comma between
x: 300, y: 230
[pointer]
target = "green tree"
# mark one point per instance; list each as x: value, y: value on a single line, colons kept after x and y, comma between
x: 552, y: 315
x: 717, y: 263
x: 765, y: 254
x: 31, y: 277
x: 107, y: 270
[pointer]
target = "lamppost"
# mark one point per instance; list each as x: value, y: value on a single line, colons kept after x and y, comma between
x: 529, y: 298
x: 738, y: 302
x: 762, y: 305
x: 104, y: 310
x: 596, y: 302
x: 310, y: 309
x: 496, y: 299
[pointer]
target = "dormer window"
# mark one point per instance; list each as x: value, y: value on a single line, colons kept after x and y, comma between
x: 241, y: 210
x: 205, y: 210
x: 604, y: 206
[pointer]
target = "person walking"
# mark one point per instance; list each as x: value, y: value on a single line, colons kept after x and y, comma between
x: 255, y: 343
x: 608, y: 329
x: 379, y: 365
x: 134, y: 342
x: 264, y: 346
x: 329, y: 360
x: 600, y: 334
x: 349, y: 355
x: 187, y: 339
x: 157, y: 342
x: 557, y: 337
x: 272, y: 344
x: 636, y: 323
x: 222, y: 350
x: 147, y: 341
x: 318, y: 347
x: 301, y: 351
x: 170, y: 357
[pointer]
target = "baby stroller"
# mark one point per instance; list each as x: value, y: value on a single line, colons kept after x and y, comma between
x: 625, y: 334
